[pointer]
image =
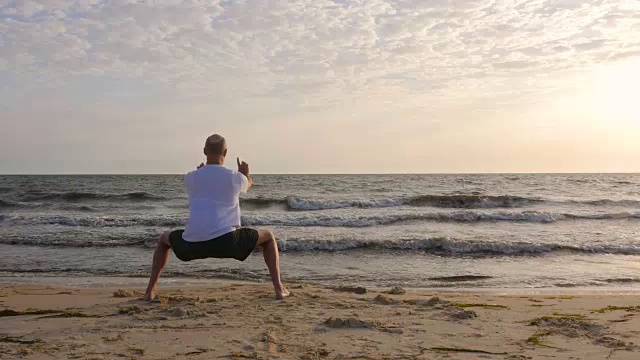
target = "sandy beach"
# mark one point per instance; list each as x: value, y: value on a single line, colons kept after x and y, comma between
x: 229, y: 320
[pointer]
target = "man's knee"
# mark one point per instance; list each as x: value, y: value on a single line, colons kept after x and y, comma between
x: 164, y: 239
x: 265, y: 237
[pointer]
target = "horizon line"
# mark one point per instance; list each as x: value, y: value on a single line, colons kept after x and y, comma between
x: 388, y: 173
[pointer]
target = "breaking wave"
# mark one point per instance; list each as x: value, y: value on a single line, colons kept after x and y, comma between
x: 439, y: 245
x: 92, y: 221
x: 453, y: 247
x: 302, y: 204
x: 472, y: 201
x: 437, y: 201
x: 79, y: 196
x: 460, y: 216
x: 441, y: 201
x: 32, y: 198
x: 315, y: 219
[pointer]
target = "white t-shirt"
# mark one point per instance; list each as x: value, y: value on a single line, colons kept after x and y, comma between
x: 214, y: 203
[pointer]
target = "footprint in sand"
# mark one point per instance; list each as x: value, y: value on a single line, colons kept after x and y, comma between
x: 272, y: 343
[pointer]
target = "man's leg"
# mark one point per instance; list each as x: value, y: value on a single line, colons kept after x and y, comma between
x: 160, y: 258
x: 267, y: 241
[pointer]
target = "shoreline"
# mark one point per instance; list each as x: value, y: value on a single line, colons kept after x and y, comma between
x: 139, y: 282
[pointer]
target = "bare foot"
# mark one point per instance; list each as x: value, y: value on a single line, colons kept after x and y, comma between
x: 281, y: 294
x: 150, y: 296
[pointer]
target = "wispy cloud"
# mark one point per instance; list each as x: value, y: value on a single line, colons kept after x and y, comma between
x: 311, y: 48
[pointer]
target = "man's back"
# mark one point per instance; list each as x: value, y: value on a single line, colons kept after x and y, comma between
x: 214, y: 207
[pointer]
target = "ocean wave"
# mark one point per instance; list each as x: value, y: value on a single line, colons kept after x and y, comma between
x: 96, y: 209
x: 35, y: 195
x: 461, y: 216
x: 441, y: 201
x: 302, y: 204
x: 376, y: 220
x: 624, y: 182
x: 583, y: 181
x: 75, y: 207
x: 9, y: 204
x: 36, y: 198
x: 263, y: 202
x: 453, y: 247
x: 436, y: 245
x: 81, y: 208
x: 472, y: 201
x: 148, y: 242
x: 299, y: 204
x: 607, y: 202
x: 315, y: 219
x: 625, y: 280
x: 92, y: 222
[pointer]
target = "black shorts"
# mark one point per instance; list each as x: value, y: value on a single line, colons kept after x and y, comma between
x: 237, y: 244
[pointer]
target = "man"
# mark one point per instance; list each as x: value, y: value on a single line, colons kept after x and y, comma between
x: 213, y: 230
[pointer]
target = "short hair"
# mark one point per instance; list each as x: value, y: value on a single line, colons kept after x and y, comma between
x: 215, y: 145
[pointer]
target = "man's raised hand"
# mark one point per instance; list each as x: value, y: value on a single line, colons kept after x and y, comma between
x: 243, y: 167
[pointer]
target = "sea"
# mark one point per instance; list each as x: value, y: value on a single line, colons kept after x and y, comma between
x: 478, y: 231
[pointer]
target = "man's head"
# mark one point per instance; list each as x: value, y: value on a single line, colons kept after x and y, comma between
x: 215, y: 148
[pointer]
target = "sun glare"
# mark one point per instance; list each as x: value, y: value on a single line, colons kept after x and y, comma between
x: 616, y: 92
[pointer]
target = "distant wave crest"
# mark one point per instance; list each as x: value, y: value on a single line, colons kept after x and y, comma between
x: 441, y: 201
x: 80, y: 195
x: 437, y: 201
x: 9, y: 204
x: 472, y: 201
x: 303, y: 204
x: 607, y: 202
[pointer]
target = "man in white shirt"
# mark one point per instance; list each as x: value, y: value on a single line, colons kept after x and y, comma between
x: 213, y: 230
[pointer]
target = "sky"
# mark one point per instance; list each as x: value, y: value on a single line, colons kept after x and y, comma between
x: 320, y: 86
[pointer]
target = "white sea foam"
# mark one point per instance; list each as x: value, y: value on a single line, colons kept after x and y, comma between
x: 452, y: 246
x: 302, y: 204
x: 321, y: 219
x: 436, y: 245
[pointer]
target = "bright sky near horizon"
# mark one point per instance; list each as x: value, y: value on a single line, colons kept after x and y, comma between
x: 320, y: 86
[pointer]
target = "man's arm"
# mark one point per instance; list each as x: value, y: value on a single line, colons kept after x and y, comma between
x: 243, y: 168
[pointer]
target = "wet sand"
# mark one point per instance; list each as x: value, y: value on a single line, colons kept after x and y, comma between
x: 227, y: 320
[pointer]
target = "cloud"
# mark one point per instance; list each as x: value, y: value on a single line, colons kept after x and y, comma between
x: 624, y: 55
x: 311, y: 50
x: 515, y: 64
